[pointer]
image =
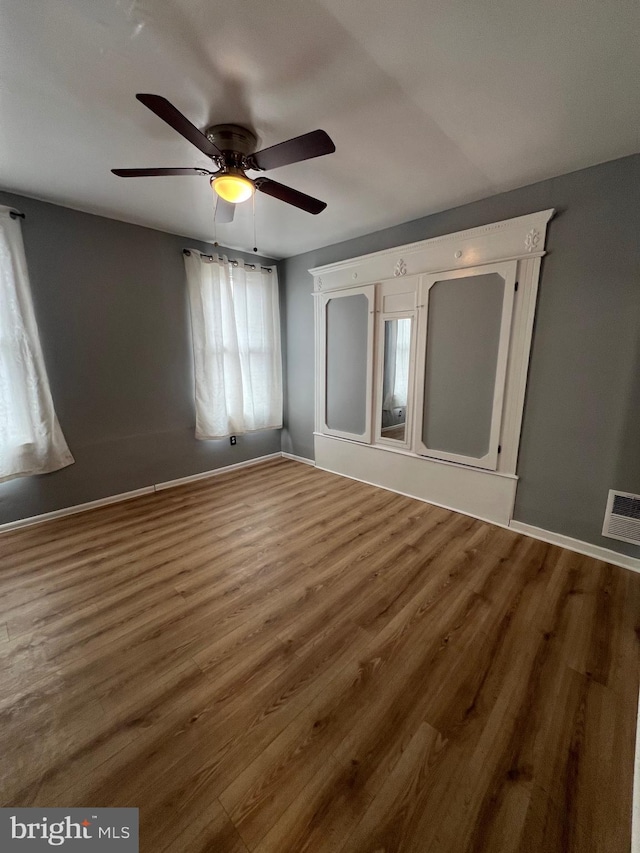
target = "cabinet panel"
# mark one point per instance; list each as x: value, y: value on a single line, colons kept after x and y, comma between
x: 347, y: 336
x: 397, y: 302
x: 464, y: 341
x: 347, y: 357
x: 463, y: 336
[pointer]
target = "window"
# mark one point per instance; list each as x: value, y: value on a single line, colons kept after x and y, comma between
x: 31, y: 441
x: 235, y: 323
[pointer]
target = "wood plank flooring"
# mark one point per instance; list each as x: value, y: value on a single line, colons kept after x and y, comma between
x: 282, y: 660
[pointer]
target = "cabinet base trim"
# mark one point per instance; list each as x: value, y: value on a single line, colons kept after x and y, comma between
x: 470, y: 491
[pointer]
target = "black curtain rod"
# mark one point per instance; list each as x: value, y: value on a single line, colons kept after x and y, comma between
x: 15, y: 214
x: 232, y: 261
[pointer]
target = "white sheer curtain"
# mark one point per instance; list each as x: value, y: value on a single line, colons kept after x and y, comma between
x: 31, y: 441
x: 401, y: 372
x: 396, y: 363
x: 235, y: 320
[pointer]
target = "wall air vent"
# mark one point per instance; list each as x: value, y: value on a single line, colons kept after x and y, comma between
x: 622, y: 517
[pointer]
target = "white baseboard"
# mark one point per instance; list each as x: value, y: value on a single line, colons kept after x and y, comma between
x: 302, y: 459
x: 126, y: 496
x: 577, y: 545
x: 204, y: 475
x: 549, y: 536
x: 73, y: 510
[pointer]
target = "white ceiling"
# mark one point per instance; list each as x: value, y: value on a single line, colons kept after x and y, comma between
x: 431, y: 104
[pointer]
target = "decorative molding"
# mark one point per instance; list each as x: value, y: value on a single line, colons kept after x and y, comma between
x: 516, y: 247
x: 577, y: 545
x: 400, y: 268
x: 511, y: 239
x: 518, y: 362
x: 531, y: 240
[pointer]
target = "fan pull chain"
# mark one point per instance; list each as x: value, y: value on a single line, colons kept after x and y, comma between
x: 215, y: 215
x: 253, y: 198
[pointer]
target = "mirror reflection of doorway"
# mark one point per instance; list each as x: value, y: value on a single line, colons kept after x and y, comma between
x: 395, y: 389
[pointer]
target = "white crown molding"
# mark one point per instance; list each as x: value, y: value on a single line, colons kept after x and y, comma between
x: 510, y: 239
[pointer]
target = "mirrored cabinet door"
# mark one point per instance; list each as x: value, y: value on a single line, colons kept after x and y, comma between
x: 395, y: 380
x: 464, y: 340
x: 348, y: 355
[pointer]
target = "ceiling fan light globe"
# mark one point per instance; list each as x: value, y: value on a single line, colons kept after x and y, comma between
x: 233, y: 188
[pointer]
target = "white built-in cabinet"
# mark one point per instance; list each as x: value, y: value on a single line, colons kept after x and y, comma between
x: 421, y: 363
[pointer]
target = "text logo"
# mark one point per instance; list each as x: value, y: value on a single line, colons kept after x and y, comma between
x: 103, y: 830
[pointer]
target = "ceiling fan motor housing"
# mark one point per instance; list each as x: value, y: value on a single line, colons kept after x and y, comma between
x: 235, y: 142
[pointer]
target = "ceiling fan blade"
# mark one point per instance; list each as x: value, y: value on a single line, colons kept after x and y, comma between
x: 291, y: 196
x: 174, y: 118
x: 150, y: 173
x: 314, y: 144
x: 225, y: 211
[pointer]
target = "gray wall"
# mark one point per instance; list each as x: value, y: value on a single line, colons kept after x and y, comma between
x: 581, y: 432
x: 111, y: 305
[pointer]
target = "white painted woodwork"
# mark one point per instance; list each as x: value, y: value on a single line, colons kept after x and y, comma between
x: 510, y: 239
x: 483, y: 494
x: 401, y: 278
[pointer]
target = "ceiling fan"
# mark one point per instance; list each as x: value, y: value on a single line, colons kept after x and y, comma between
x: 231, y: 148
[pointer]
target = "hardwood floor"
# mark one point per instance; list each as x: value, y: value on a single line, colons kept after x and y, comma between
x: 282, y: 660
